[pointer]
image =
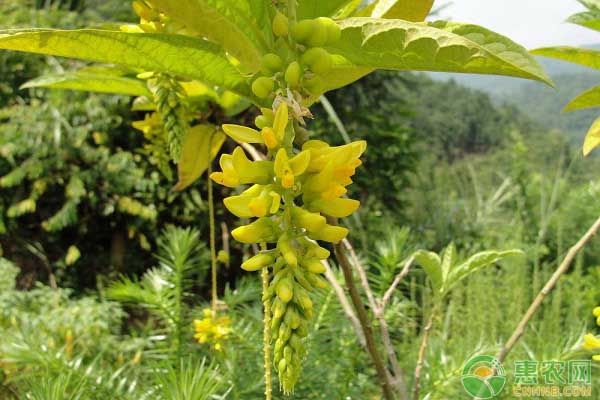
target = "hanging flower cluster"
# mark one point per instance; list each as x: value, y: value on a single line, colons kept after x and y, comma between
x: 292, y: 191
x: 212, y: 330
x: 591, y: 342
x: 290, y: 196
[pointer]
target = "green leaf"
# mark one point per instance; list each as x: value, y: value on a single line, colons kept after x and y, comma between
x: 234, y: 24
x: 318, y: 8
x: 592, y: 139
x: 448, y: 260
x: 587, y: 57
x: 477, y: 262
x: 588, y: 19
x: 432, y: 265
x: 176, y: 54
x: 438, y: 46
x: 588, y: 99
x: 78, y: 80
x: 195, y: 153
x: 408, y: 10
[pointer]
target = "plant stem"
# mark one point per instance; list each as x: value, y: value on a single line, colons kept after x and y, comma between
x: 563, y: 267
x: 211, y: 217
x: 267, y: 331
x: 378, y: 309
x: 421, y: 357
x: 382, y: 372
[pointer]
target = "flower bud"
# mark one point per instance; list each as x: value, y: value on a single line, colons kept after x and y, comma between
x: 312, y: 222
x: 318, y: 60
x: 293, y: 73
x: 287, y: 251
x: 259, y: 261
x: 303, y: 30
x: 313, y: 265
x: 284, y: 290
x: 261, y: 230
x: 271, y: 63
x: 280, y: 25
x: 330, y: 233
x: 262, y: 87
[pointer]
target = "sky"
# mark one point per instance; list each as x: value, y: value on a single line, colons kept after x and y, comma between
x: 532, y: 23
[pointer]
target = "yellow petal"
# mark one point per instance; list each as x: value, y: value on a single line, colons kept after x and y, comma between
x: 239, y: 206
x: 281, y: 120
x: 596, y: 312
x: 310, y: 221
x: 330, y: 233
x: 300, y: 162
x: 269, y: 138
x: 338, y: 208
x: 261, y: 230
x: 259, y: 261
x: 242, y: 133
x: 592, y: 139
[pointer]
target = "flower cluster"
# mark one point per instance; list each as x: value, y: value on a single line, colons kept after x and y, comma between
x: 211, y: 329
x: 292, y: 192
x: 591, y: 342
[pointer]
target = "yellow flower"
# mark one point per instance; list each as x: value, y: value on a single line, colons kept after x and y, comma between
x: 287, y: 169
x: 212, y: 330
x: 262, y: 230
x: 590, y: 342
x: 237, y: 169
x: 257, y: 201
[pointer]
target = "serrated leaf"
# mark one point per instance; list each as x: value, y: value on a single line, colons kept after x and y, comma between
x: 587, y: 19
x: 475, y: 263
x: 195, y: 153
x: 176, y: 54
x: 438, y: 46
x: 586, y: 57
x: 432, y: 265
x: 234, y: 24
x: 318, y: 8
x: 90, y: 82
x: 592, y: 138
x: 588, y: 99
x: 408, y: 10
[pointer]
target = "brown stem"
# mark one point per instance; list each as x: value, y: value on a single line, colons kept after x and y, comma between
x: 378, y: 308
x: 339, y: 291
x: 421, y: 358
x: 562, y: 268
x: 382, y: 372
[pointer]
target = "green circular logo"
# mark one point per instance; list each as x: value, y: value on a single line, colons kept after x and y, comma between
x: 483, y: 377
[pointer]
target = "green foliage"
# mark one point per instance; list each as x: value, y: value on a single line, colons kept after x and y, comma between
x: 189, y: 380
x: 584, y: 56
x: 163, y: 289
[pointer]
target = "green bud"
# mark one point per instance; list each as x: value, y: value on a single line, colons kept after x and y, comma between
x: 280, y: 25
x: 303, y: 30
x: 262, y: 87
x: 318, y: 36
x: 293, y: 73
x: 284, y: 290
x: 302, y: 330
x: 261, y: 121
x: 334, y: 32
x: 271, y: 63
x: 318, y: 60
x: 314, y: 85
x: 282, y: 365
x: 313, y: 265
